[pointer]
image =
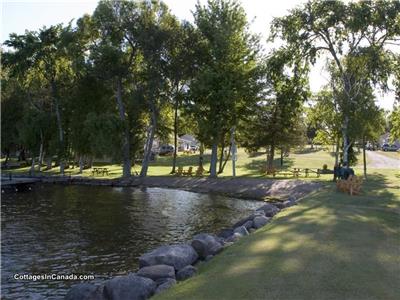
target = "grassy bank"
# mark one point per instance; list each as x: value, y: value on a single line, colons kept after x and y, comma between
x: 330, y: 246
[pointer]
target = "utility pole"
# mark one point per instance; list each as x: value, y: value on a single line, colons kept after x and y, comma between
x: 234, y: 151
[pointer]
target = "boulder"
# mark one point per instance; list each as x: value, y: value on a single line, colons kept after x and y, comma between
x: 225, y: 233
x: 248, y: 224
x: 233, y: 238
x: 166, y: 285
x: 243, y: 221
x: 85, y: 291
x: 269, y: 210
x: 289, y: 203
x: 177, y: 256
x: 186, y: 272
x: 241, y: 230
x: 260, y: 221
x: 129, y: 287
x: 252, y: 230
x: 280, y: 205
x: 206, y: 244
x: 157, y: 271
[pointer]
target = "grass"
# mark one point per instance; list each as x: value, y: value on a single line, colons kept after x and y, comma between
x: 249, y: 166
x: 330, y: 246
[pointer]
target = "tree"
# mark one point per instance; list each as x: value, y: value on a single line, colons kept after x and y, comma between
x: 114, y: 51
x: 326, y: 115
x: 181, y: 68
x: 357, y: 29
x: 276, y: 120
x: 227, y: 79
x: 154, y: 40
x: 42, y: 55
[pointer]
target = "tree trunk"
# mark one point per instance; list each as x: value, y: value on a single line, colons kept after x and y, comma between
x: 40, y: 152
x: 346, y: 143
x: 59, y: 125
x: 281, y: 157
x: 32, y: 170
x: 126, y: 141
x: 227, y: 158
x: 336, y: 155
x: 7, y: 156
x: 233, y: 149
x: 364, y: 158
x: 49, y: 163
x: 175, y: 135
x: 270, y: 157
x: 81, y: 164
x: 214, y: 159
x: 221, y: 156
x: 149, y: 143
x: 201, y: 158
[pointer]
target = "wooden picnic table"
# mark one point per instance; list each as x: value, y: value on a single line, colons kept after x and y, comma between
x: 98, y: 171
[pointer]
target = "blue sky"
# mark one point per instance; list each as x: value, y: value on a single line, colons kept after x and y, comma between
x: 19, y: 15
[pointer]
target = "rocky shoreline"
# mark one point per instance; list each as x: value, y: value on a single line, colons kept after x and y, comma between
x: 162, y: 267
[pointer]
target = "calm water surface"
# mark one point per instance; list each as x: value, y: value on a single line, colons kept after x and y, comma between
x: 98, y: 230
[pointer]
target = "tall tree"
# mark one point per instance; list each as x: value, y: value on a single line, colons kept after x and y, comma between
x: 42, y: 54
x: 344, y: 30
x: 227, y: 80
x: 114, y: 52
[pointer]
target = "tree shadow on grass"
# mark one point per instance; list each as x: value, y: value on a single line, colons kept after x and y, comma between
x: 181, y: 160
x: 255, y: 167
x: 307, y: 150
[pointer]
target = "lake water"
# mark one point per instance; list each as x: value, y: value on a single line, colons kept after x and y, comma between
x: 98, y: 230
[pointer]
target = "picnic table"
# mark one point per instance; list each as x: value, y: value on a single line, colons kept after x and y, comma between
x: 98, y: 171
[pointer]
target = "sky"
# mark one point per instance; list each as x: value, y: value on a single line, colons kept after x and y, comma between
x: 20, y: 15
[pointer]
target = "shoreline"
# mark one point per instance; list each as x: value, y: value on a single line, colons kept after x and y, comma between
x: 239, y: 187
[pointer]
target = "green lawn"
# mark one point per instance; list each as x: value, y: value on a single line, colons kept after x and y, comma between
x: 246, y: 165
x: 330, y: 246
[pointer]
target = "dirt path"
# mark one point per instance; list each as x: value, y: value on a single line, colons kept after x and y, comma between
x: 379, y: 161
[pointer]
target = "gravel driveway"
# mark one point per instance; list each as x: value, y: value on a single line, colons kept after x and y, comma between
x: 380, y: 161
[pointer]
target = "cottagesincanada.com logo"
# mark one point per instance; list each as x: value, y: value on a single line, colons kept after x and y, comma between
x: 40, y: 277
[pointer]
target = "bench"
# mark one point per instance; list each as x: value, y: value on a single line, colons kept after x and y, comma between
x: 351, y: 185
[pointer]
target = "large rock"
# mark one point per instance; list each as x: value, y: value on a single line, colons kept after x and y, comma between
x: 241, y: 230
x: 85, y: 291
x: 157, y: 271
x: 129, y: 287
x: 233, y: 238
x: 166, y: 285
x: 260, y: 221
x: 248, y: 224
x: 186, y: 273
x: 243, y: 221
x: 225, y: 233
x: 206, y: 244
x: 177, y: 256
x: 270, y: 210
x: 280, y: 204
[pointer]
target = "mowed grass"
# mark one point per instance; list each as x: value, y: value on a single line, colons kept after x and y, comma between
x: 330, y: 246
x: 246, y: 165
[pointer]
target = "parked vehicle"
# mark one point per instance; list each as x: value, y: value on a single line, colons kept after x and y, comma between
x: 166, y: 150
x: 387, y: 147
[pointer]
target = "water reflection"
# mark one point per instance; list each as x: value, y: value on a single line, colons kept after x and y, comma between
x: 98, y: 230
